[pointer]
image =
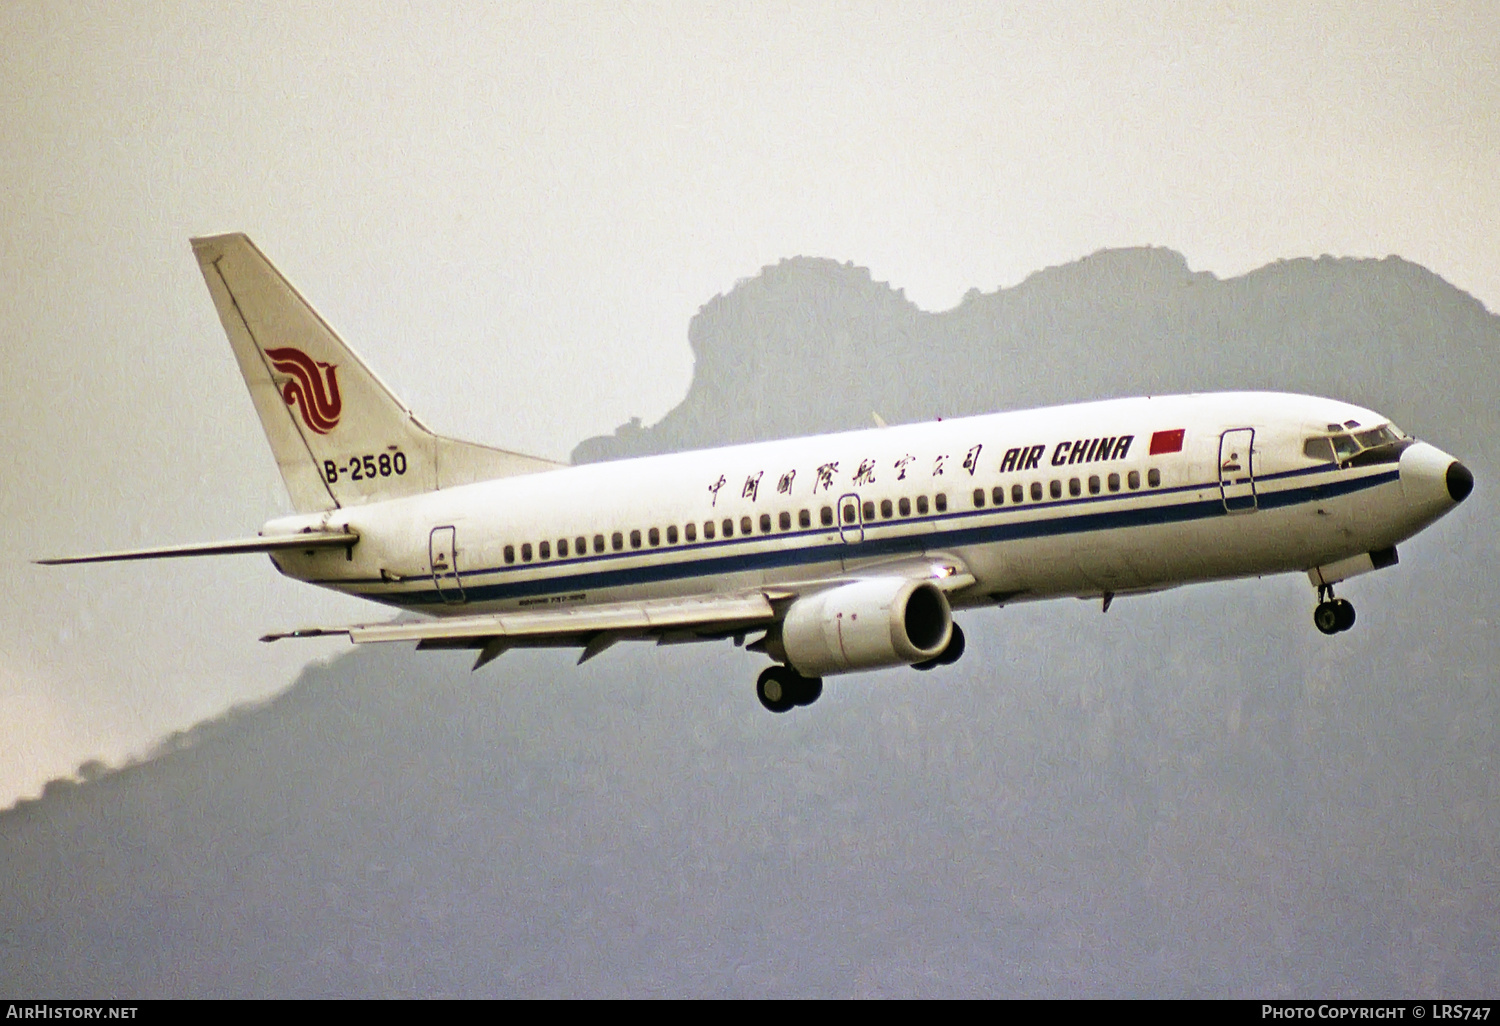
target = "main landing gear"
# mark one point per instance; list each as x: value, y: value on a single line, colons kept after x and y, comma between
x: 1333, y: 615
x: 781, y: 687
x: 949, y: 655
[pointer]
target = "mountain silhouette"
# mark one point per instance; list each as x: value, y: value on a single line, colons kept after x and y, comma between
x: 811, y: 345
x: 1195, y: 794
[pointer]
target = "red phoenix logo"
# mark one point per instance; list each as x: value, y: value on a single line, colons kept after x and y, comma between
x: 313, y: 388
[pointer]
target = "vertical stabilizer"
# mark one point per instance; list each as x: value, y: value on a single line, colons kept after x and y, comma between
x: 340, y: 437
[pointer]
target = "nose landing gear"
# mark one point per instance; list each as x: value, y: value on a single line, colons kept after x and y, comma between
x: 1332, y: 615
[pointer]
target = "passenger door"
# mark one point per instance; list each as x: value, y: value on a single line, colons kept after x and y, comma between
x: 1237, y: 470
x: 442, y: 548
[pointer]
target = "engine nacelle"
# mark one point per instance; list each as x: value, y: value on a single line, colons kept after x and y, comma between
x: 883, y: 621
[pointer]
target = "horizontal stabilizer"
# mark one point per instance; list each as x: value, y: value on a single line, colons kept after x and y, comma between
x: 541, y: 625
x: 319, y: 540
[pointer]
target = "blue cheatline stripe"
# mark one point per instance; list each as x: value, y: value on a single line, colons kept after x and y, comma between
x: 909, y: 544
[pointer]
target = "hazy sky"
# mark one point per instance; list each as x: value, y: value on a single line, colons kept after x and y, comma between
x: 513, y: 211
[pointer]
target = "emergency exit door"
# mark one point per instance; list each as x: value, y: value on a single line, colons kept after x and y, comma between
x: 851, y: 520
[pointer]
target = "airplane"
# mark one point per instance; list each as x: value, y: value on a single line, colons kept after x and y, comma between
x: 840, y: 553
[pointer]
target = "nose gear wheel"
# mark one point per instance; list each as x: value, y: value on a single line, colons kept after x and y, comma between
x: 1334, y: 616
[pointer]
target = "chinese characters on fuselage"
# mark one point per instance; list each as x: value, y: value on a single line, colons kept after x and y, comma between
x: 1018, y: 459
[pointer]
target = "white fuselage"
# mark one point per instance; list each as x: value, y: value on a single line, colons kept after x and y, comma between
x: 1084, y: 508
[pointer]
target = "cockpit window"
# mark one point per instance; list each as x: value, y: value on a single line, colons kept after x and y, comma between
x: 1345, y: 446
x: 1379, y: 436
x: 1319, y: 449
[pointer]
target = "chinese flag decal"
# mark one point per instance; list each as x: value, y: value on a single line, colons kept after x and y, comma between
x: 1166, y: 441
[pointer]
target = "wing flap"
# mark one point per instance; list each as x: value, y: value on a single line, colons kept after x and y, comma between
x: 620, y: 619
x: 318, y: 540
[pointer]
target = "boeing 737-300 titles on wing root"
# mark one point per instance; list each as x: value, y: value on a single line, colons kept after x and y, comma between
x: 838, y: 552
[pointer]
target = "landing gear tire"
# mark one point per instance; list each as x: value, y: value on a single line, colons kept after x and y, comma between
x: 955, y: 649
x: 773, y: 691
x: 1326, y: 618
x: 811, y: 690
x: 1334, y: 616
x: 949, y: 655
x: 1343, y: 611
x: 779, y: 688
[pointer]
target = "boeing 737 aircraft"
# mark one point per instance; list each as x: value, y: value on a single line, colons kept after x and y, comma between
x: 836, y: 553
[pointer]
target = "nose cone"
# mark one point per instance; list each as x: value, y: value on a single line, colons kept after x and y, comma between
x: 1432, y: 481
x: 1460, y: 481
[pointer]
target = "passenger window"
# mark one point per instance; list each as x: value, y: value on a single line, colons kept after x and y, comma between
x: 1153, y: 477
x: 1036, y: 491
x: 562, y: 547
x: 979, y: 498
x: 728, y: 527
x: 886, y: 509
x: 765, y: 523
x: 1114, y: 482
x: 745, y: 527
x: 1056, y: 489
x: 905, y: 507
x: 581, y: 545
x: 1319, y: 449
x: 1133, y: 479
x: 598, y: 543
x: 1075, y: 487
x: 940, y: 502
x: 654, y: 537
x: 510, y: 553
x: 997, y: 494
x: 784, y: 521
x: 1017, y: 493
x: 1093, y: 484
x: 690, y: 531
x: 544, y: 550
x: 922, y: 505
x: 672, y: 535
x: 851, y: 513
x: 617, y: 541
x: 826, y: 515
x: 635, y: 539
x: 708, y: 530
x: 804, y: 518
x: 526, y: 552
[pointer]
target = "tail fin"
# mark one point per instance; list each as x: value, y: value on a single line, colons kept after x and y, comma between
x: 340, y: 437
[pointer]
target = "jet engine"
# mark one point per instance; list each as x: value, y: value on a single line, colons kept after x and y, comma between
x: 883, y: 621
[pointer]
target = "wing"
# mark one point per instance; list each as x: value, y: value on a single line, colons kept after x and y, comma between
x: 596, y: 628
